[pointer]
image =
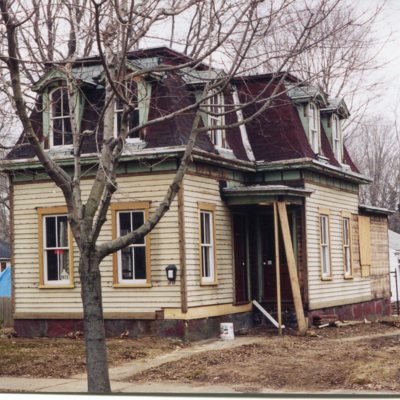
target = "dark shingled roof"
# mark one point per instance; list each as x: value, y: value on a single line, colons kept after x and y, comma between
x: 275, y: 134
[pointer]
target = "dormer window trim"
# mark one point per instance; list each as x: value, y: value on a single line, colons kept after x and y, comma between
x: 314, y: 131
x: 133, y: 115
x: 337, y: 137
x: 215, y: 107
x: 59, y: 116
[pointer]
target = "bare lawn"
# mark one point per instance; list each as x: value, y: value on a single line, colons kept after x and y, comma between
x: 358, y: 357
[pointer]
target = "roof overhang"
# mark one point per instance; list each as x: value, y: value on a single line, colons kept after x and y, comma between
x: 366, y: 209
x: 264, y: 194
x: 343, y: 172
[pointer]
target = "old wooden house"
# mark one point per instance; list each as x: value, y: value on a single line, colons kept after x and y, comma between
x: 222, y: 232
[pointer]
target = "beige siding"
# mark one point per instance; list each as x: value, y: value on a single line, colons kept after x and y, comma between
x: 200, y: 189
x: 380, y: 285
x: 164, y: 251
x: 338, y: 290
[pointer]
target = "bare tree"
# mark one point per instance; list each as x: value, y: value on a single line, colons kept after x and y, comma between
x: 63, y: 31
x: 375, y: 149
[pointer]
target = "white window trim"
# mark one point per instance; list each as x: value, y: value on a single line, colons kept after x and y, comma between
x: 119, y: 253
x: 120, y: 111
x: 51, y: 119
x: 212, y: 278
x: 337, y: 141
x: 325, y: 246
x: 217, y: 136
x: 314, y: 135
x: 348, y: 268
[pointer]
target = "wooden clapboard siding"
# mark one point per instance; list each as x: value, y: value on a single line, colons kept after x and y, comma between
x: 338, y: 290
x: 379, y: 273
x: 206, y: 190
x: 164, y: 251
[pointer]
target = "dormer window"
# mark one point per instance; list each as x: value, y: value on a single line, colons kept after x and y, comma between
x: 337, y: 137
x: 313, y: 126
x: 133, y: 116
x: 60, y: 120
x: 215, y: 115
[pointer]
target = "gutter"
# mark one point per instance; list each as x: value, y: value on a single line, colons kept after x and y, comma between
x: 312, y: 164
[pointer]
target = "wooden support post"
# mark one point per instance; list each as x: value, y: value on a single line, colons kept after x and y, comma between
x: 278, y: 270
x: 294, y: 280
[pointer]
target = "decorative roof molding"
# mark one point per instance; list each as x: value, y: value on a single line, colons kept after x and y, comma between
x: 306, y: 93
x: 338, y: 106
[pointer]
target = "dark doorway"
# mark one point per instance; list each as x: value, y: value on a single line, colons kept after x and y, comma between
x: 240, y: 245
x: 268, y: 263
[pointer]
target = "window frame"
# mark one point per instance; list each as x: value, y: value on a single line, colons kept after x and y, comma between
x: 63, y: 117
x: 44, y: 283
x: 119, y: 111
x: 213, y: 278
x: 117, y: 208
x: 326, y: 273
x: 337, y: 142
x: 217, y: 136
x: 314, y: 133
x: 348, y: 272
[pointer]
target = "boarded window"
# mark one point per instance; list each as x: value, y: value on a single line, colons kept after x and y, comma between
x: 364, y: 232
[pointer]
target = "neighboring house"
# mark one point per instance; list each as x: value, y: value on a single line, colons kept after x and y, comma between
x: 394, y: 257
x: 219, y: 231
x: 5, y: 255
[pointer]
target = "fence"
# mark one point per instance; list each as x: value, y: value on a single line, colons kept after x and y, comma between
x: 6, y: 319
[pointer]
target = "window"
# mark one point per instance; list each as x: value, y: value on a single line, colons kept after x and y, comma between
x: 133, y: 116
x: 337, y: 137
x: 60, y: 121
x: 325, y: 246
x: 55, y: 248
x: 132, y: 263
x: 207, y: 244
x: 215, y: 109
x: 313, y: 127
x: 347, y: 247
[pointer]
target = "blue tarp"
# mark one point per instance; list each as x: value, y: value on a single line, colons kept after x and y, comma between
x: 5, y: 283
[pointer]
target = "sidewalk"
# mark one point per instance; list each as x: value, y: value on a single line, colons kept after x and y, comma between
x: 78, y: 384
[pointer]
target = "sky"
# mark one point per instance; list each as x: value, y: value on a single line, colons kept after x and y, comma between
x: 387, y: 30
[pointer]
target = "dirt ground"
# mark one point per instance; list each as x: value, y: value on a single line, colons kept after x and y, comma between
x: 359, y: 357
x: 61, y: 358
x: 346, y: 358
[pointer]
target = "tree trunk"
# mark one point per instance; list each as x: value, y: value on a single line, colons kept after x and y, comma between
x: 95, y: 339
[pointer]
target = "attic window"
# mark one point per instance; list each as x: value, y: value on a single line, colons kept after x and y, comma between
x: 133, y: 116
x: 337, y: 137
x: 216, y: 119
x: 313, y: 127
x: 60, y: 121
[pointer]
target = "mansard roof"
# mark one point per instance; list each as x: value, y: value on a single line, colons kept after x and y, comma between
x: 275, y: 134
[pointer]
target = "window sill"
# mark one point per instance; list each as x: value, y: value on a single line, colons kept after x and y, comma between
x: 131, y: 285
x: 58, y: 286
x: 348, y: 277
x: 209, y: 283
x: 326, y: 278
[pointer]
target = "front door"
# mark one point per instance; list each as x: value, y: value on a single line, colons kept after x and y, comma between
x: 241, y: 258
x: 268, y: 264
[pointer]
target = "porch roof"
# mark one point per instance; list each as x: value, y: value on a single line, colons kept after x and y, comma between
x: 261, y: 194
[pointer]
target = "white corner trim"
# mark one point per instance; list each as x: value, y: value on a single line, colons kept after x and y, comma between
x: 243, y: 130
